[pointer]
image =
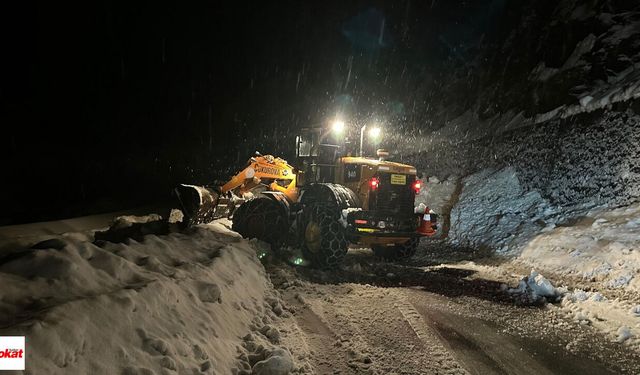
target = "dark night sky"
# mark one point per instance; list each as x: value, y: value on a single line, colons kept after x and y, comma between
x: 108, y: 104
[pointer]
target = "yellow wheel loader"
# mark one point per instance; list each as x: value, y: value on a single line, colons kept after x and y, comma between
x: 332, y: 202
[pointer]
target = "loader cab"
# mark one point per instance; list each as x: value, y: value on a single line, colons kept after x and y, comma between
x: 318, y: 152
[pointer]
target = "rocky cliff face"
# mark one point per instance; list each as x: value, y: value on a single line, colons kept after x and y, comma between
x: 542, y: 57
x: 552, y: 128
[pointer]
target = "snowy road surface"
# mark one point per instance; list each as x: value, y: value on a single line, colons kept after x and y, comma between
x: 376, y: 317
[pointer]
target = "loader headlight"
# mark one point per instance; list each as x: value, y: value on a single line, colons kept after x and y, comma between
x: 374, y: 133
x: 338, y: 127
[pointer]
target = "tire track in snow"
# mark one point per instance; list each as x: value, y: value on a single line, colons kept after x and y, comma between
x: 425, y: 334
x: 483, y: 348
x: 321, y: 338
x: 354, y: 334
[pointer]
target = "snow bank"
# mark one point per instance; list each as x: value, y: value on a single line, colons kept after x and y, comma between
x: 495, y: 211
x: 613, y: 317
x: 597, y: 247
x: 600, y: 249
x: 79, y: 228
x: 168, y: 303
x: 603, y: 246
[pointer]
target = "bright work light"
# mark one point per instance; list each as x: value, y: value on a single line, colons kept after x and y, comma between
x: 374, y: 133
x: 338, y: 127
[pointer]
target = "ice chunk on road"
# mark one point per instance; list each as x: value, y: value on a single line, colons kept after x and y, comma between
x: 540, y: 285
x: 624, y: 334
x: 536, y: 287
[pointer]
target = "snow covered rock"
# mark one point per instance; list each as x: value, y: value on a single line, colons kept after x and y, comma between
x: 279, y: 362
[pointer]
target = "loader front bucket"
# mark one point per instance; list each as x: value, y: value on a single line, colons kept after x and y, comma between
x: 198, y: 204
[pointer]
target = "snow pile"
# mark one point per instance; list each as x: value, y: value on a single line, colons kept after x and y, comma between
x: 602, y: 247
x: 124, y: 228
x: 495, y: 211
x: 163, y: 304
x: 601, y: 250
x: 78, y: 229
x: 613, y: 317
x: 127, y: 221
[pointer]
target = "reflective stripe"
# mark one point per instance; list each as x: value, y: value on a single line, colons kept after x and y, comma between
x: 368, y: 230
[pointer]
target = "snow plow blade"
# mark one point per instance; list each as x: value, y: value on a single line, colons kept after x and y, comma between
x: 201, y: 205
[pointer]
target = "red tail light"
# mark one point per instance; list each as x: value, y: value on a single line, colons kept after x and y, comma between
x: 417, y: 186
x: 374, y: 183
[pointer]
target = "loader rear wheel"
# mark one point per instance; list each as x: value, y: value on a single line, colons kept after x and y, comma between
x: 261, y: 218
x: 324, y: 242
x: 399, y: 251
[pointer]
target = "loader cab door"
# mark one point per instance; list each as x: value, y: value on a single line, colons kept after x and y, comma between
x: 305, y: 145
x: 317, y: 155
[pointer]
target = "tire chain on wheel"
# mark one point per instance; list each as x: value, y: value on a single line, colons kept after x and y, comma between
x: 238, y: 219
x: 333, y: 241
x: 269, y: 223
x: 399, y: 251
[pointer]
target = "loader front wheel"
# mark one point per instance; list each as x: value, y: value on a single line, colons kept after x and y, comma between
x: 398, y: 251
x: 324, y: 242
x: 261, y: 218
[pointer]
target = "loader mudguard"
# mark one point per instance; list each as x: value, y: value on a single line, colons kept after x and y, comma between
x: 333, y: 194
